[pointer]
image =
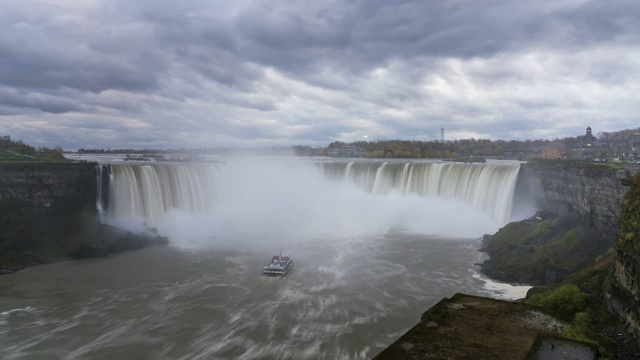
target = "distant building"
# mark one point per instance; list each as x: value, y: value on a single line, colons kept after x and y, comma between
x: 633, y: 147
x: 616, y: 148
x: 589, y: 147
x: 346, y: 151
x: 522, y: 151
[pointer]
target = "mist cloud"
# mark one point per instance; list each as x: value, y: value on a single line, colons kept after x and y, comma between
x: 270, y: 204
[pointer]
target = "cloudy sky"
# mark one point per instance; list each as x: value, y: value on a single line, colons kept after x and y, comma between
x: 166, y: 73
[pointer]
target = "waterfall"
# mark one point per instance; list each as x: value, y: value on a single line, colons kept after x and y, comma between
x: 489, y: 187
x: 103, y: 182
x: 148, y: 191
x: 99, y: 192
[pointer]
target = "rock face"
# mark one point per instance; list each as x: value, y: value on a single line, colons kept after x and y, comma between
x: 543, y: 249
x: 48, y: 212
x: 599, y: 194
x: 593, y: 190
x: 582, y: 201
x: 49, y: 188
x: 43, y: 209
x: 623, y: 294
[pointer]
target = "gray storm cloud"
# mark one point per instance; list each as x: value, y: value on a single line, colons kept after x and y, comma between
x: 167, y: 74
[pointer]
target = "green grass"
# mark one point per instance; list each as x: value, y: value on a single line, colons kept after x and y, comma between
x: 559, y: 246
x: 519, y: 234
x: 6, y: 156
x: 616, y: 166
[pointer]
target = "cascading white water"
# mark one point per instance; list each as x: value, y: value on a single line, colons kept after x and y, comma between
x: 489, y: 187
x: 100, y: 169
x: 148, y: 191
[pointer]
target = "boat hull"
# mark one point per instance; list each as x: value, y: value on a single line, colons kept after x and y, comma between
x: 271, y: 270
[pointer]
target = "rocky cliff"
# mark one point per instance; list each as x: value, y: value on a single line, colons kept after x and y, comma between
x: 593, y: 190
x: 60, y: 188
x: 611, y: 200
x: 579, y: 205
x: 623, y: 294
x: 47, y: 212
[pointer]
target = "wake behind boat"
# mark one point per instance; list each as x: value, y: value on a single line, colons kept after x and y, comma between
x: 279, y: 266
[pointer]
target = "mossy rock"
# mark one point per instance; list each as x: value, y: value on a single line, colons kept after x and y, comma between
x: 628, y: 237
x: 541, y: 250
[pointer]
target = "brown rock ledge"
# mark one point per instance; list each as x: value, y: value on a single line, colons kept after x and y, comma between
x: 472, y: 327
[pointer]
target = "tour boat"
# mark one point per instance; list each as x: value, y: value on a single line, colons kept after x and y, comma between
x: 279, y: 266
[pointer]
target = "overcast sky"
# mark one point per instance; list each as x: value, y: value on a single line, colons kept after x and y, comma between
x: 167, y: 73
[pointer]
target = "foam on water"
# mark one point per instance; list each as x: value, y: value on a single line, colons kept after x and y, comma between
x: 14, y: 311
x: 341, y: 300
x: 502, y: 290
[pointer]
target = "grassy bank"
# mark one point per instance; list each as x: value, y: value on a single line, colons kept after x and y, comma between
x: 544, y: 249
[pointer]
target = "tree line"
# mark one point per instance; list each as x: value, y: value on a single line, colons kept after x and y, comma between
x: 20, y: 148
x: 371, y: 149
x: 549, y: 149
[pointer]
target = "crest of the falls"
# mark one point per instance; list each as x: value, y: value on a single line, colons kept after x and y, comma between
x: 148, y: 191
x: 488, y: 187
x: 296, y: 199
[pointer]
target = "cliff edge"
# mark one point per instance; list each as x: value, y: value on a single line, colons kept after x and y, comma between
x: 48, y: 213
x: 623, y: 294
x: 593, y: 190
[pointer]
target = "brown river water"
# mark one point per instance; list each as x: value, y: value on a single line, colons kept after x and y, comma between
x: 344, y: 299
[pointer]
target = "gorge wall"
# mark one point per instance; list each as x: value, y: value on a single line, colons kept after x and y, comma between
x: 611, y: 199
x: 48, y: 212
x: 623, y: 294
x: 580, y: 204
x: 40, y: 208
x: 592, y: 190
x: 59, y: 188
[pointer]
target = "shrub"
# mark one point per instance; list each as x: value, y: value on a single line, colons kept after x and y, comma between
x: 566, y: 299
x: 583, y: 320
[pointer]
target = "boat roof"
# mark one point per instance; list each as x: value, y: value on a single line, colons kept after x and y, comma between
x: 278, y: 261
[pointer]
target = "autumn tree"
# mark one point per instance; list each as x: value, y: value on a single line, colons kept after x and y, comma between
x: 547, y: 153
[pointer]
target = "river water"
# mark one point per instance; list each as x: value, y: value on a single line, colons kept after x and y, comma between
x: 366, y: 265
x: 344, y: 299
